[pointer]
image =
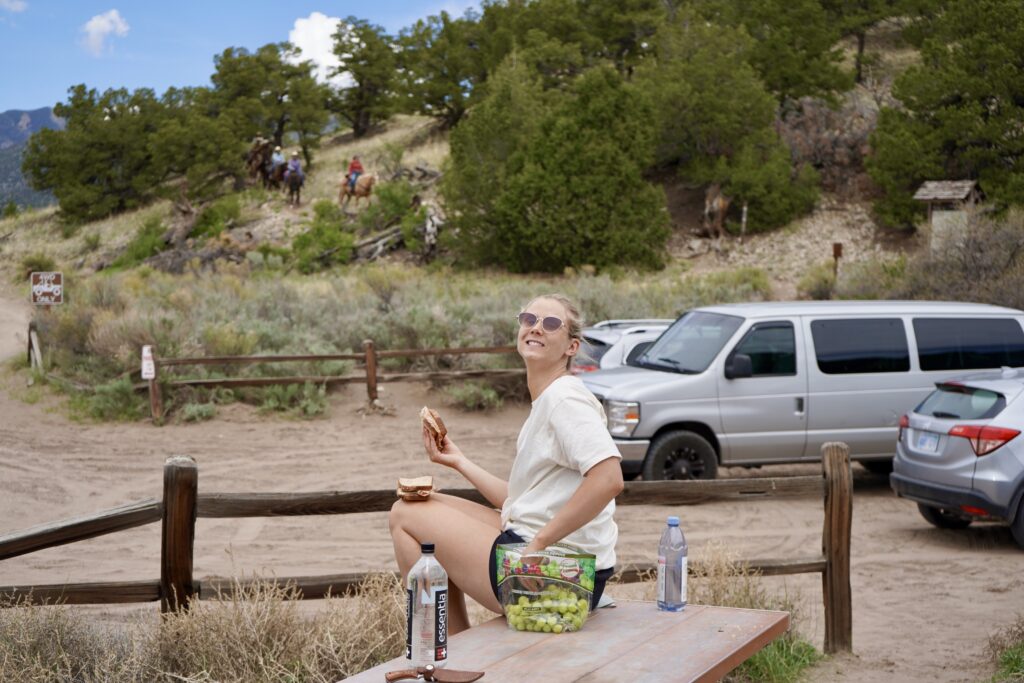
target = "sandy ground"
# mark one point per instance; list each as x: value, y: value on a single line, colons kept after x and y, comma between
x: 925, y: 600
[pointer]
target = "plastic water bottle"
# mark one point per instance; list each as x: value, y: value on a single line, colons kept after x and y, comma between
x: 672, y: 568
x: 426, y: 639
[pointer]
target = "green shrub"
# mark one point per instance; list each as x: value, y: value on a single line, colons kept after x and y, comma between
x: 305, y: 400
x: 474, y: 396
x: 392, y: 206
x: 218, y: 216
x: 1006, y: 647
x: 91, y: 242
x: 818, y: 283
x: 876, y: 279
x: 148, y: 241
x: 198, y: 412
x: 116, y: 401
x: 325, y: 243
x: 36, y: 262
x: 10, y: 209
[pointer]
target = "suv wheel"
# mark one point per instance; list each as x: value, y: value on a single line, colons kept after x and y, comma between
x: 1017, y: 525
x: 943, y: 518
x: 680, y: 455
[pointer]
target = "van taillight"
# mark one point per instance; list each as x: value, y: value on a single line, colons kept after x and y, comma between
x: 580, y: 368
x: 984, y: 440
x: 904, y: 423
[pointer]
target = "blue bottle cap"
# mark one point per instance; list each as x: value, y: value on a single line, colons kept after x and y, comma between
x: 673, y: 521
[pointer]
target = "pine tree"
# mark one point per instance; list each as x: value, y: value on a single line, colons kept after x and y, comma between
x: 367, y: 56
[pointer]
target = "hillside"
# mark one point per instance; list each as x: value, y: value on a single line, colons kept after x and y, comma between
x: 784, y: 255
x: 16, y: 126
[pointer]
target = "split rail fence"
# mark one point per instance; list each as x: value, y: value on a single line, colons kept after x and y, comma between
x: 370, y: 358
x: 182, y: 504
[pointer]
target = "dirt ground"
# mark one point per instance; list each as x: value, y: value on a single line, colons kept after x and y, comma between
x: 924, y: 600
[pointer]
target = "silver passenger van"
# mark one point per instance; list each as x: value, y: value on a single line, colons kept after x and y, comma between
x: 760, y: 383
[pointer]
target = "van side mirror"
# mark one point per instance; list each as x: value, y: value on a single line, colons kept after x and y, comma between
x: 738, y: 366
x: 637, y: 351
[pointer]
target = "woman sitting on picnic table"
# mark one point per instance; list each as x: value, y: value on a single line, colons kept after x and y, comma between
x: 562, y: 485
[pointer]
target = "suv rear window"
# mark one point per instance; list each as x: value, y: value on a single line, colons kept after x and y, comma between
x: 968, y: 343
x: 955, y: 401
x: 591, y: 351
x: 860, y: 345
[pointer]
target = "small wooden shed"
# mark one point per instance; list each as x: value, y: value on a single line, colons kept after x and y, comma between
x: 948, y: 204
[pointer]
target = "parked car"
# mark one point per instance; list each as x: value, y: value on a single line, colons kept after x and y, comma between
x: 609, y: 343
x: 958, y: 455
x: 753, y: 384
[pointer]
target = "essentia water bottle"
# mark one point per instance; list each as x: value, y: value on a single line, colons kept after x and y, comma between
x: 427, y: 616
x: 672, y: 568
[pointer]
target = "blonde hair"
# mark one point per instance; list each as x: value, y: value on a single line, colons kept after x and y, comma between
x: 573, y: 322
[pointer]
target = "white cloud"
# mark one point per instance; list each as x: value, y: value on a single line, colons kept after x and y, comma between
x: 99, y: 28
x: 314, y: 35
x: 13, y: 5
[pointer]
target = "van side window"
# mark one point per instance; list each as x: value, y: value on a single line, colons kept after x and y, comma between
x: 963, y: 343
x: 860, y: 346
x: 771, y: 347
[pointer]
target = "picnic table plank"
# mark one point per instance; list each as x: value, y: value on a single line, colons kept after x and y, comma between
x: 702, y: 643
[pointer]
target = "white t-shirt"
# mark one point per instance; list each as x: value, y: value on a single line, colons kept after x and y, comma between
x: 564, y: 436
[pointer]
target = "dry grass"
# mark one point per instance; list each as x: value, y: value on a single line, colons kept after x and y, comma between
x: 255, y: 635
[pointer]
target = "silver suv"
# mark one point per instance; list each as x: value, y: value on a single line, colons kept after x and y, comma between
x: 960, y: 455
x: 611, y: 343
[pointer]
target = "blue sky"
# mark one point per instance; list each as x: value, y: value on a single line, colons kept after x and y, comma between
x: 50, y: 45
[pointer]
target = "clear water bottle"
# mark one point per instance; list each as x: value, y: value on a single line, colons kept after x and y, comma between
x: 672, y: 568
x: 426, y: 639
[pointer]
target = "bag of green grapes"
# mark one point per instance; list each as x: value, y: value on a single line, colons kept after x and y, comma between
x: 549, y: 591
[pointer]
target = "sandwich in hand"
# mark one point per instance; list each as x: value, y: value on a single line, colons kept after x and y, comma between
x: 434, y: 425
x: 417, y: 488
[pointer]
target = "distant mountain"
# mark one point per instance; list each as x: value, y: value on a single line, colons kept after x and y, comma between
x: 16, y: 126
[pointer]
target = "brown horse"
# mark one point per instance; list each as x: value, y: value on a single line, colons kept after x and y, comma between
x: 294, y: 183
x: 364, y: 188
x: 716, y: 205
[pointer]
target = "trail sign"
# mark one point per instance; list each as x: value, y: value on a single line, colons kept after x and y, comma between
x: 148, y: 366
x: 47, y: 288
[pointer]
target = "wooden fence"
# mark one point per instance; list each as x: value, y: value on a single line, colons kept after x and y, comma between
x: 370, y: 358
x: 182, y: 504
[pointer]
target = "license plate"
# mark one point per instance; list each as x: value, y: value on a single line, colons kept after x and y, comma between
x: 927, y: 441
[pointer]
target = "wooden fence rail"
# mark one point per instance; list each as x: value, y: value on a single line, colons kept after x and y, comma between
x: 370, y: 357
x: 182, y: 504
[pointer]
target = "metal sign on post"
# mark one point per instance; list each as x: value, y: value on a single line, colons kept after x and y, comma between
x: 148, y: 366
x: 47, y: 288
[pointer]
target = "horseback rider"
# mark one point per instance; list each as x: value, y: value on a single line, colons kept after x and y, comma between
x: 294, y: 166
x: 276, y: 159
x: 355, y: 169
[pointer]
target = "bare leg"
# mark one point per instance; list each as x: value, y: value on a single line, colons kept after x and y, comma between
x: 463, y: 533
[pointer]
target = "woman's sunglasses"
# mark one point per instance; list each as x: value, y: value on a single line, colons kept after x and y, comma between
x: 550, y: 323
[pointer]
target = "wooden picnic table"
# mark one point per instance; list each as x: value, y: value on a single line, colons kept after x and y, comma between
x: 632, y: 641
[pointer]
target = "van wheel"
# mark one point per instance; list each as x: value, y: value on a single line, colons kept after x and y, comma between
x: 878, y: 466
x: 943, y: 518
x: 680, y: 455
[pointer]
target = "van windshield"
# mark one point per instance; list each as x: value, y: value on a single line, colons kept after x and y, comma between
x: 691, y: 343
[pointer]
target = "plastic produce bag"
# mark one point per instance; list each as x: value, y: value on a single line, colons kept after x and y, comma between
x: 549, y: 591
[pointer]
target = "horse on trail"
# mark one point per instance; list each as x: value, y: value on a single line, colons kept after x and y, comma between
x: 364, y: 188
x: 294, y: 181
x: 257, y: 159
x: 716, y: 205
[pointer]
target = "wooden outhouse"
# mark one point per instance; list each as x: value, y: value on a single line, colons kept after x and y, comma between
x: 948, y: 204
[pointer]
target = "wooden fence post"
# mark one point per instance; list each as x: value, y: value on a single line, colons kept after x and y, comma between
x: 835, y: 546
x: 156, y: 402
x: 35, y: 350
x: 371, y: 370
x: 181, y: 484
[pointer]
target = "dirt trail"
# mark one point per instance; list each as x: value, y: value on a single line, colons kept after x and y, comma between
x: 14, y: 316
x: 925, y: 600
